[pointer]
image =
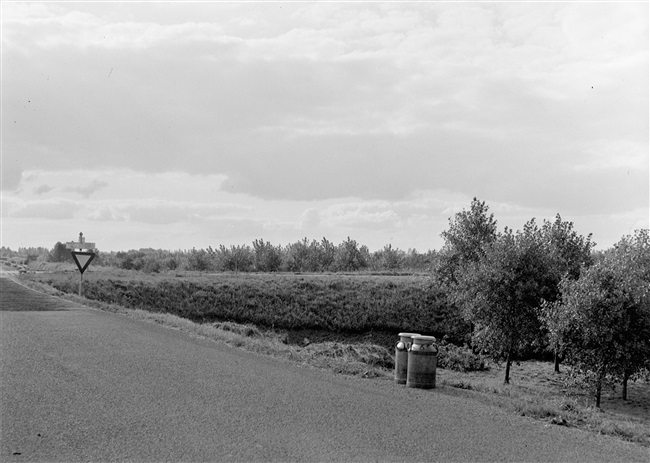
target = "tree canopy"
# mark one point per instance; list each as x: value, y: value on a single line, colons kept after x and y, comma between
x: 606, y: 319
x: 500, y: 294
x: 470, y: 231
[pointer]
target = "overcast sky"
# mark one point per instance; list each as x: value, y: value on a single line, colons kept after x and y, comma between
x: 180, y: 125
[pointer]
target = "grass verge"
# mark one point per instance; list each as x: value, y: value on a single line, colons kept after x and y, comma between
x: 366, y: 360
x: 535, y: 391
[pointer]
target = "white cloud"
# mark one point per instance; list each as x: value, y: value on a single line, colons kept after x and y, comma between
x: 336, y: 114
x: 50, y: 209
x: 366, y: 214
x: 11, y: 173
x: 88, y: 190
x: 310, y: 219
x: 605, y: 155
x: 156, y: 211
x: 42, y: 189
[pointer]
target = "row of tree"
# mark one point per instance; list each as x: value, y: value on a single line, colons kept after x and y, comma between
x: 544, y: 287
x: 262, y: 256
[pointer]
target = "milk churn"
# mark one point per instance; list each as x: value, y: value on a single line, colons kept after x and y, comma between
x: 401, y: 356
x: 422, y: 363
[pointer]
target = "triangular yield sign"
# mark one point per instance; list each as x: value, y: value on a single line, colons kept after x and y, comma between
x: 82, y: 259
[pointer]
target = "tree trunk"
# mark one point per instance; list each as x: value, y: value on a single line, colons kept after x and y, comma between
x: 626, y: 376
x: 556, y: 361
x: 508, y: 362
x: 599, y: 385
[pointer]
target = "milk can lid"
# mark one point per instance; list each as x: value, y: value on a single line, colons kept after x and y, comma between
x: 408, y: 334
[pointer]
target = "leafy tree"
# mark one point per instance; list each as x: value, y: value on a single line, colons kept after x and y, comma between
x: 633, y: 254
x: 314, y: 257
x: 388, y: 258
x: 568, y: 252
x: 609, y: 321
x: 199, y: 260
x: 235, y: 258
x: 557, y: 323
x: 169, y: 262
x: 469, y: 233
x: 465, y: 241
x: 267, y: 258
x: 413, y: 260
x: 326, y: 254
x: 351, y: 257
x: 60, y: 253
x: 298, y: 256
x: 128, y: 260
x: 634, y: 250
x: 500, y: 293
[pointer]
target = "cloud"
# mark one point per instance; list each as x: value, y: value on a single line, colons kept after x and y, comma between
x: 304, y: 106
x: 310, y: 219
x: 105, y: 213
x: 88, y: 190
x: 157, y: 211
x: 348, y: 95
x: 42, y: 189
x: 11, y: 172
x: 367, y: 214
x: 51, y: 209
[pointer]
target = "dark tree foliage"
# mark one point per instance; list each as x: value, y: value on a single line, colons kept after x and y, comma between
x: 199, y: 260
x: 263, y: 256
x: 267, y: 258
x: 470, y: 232
x: 607, y: 331
x: 350, y: 257
x: 465, y: 241
x: 501, y: 292
x: 234, y: 259
x: 568, y: 252
x: 60, y: 253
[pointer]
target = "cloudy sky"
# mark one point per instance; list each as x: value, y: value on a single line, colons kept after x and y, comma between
x: 179, y: 125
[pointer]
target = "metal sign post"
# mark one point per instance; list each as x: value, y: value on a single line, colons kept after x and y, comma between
x: 82, y: 254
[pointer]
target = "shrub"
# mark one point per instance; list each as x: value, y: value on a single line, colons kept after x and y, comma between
x: 452, y: 357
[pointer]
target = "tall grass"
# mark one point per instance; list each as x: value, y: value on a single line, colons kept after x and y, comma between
x: 547, y: 404
x: 335, y: 303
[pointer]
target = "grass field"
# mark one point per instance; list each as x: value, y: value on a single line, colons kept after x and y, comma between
x: 322, y: 307
x: 535, y: 391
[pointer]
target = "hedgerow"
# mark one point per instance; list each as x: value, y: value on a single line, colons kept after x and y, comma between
x: 337, y: 303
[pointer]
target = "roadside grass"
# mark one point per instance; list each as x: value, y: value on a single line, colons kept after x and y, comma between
x: 366, y: 360
x: 535, y: 391
x: 36, y: 266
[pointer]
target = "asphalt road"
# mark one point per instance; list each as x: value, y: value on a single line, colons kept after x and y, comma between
x: 79, y: 384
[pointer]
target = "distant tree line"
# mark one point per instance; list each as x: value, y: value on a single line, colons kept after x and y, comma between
x: 262, y: 256
x: 543, y: 288
x: 27, y: 255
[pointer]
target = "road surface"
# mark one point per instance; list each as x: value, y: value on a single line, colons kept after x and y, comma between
x: 79, y: 384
